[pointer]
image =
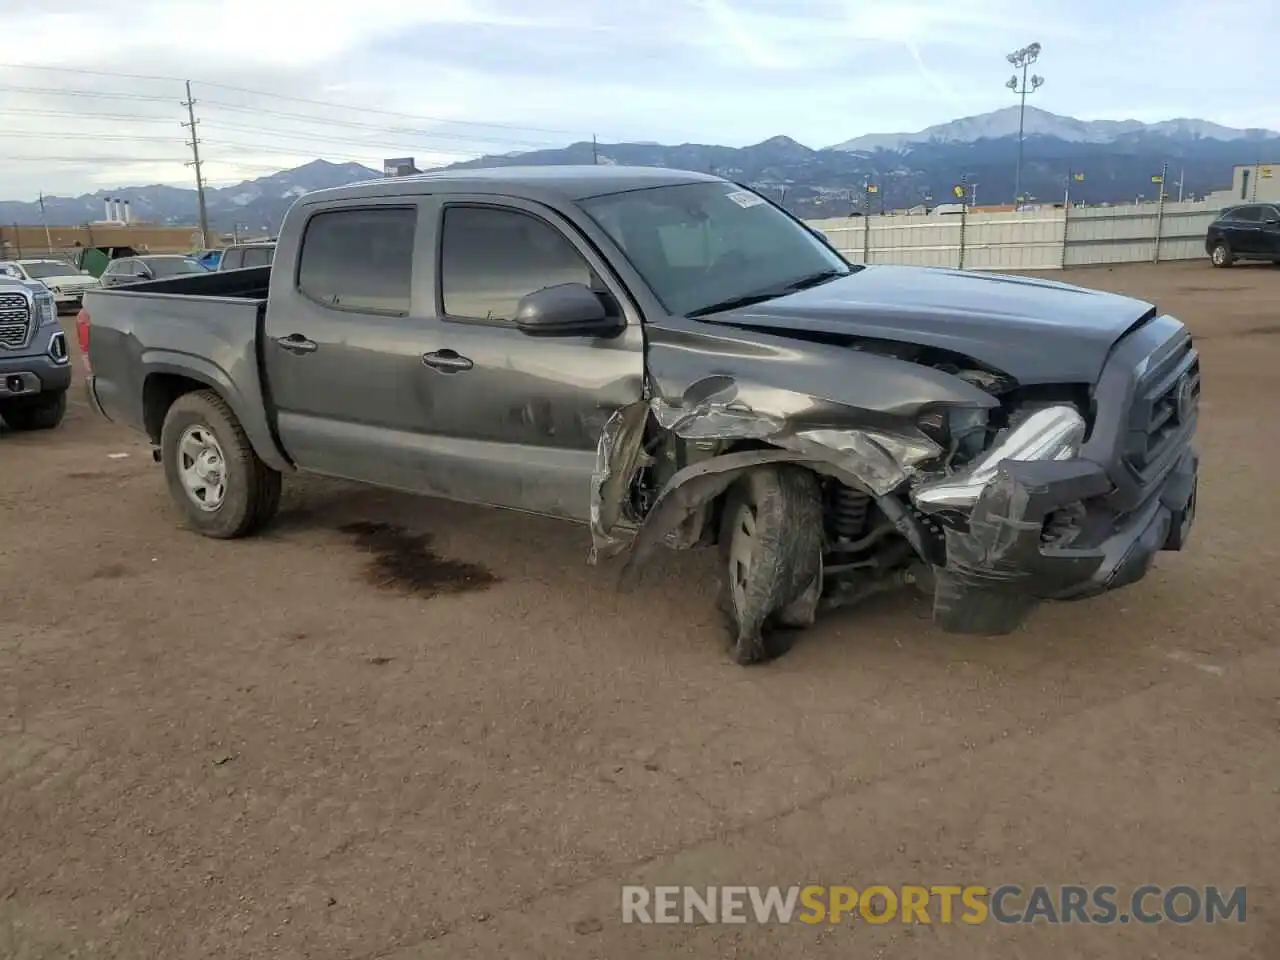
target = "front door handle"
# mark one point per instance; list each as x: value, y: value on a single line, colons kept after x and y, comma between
x: 296, y: 343
x: 447, y: 361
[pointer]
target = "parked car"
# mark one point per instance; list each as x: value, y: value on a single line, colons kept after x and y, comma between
x: 67, y: 282
x: 35, y: 368
x: 670, y: 358
x: 1250, y: 231
x: 151, y: 267
x: 243, y: 255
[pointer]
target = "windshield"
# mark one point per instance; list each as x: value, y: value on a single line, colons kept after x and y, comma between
x: 703, y: 245
x: 49, y: 268
x: 175, y: 267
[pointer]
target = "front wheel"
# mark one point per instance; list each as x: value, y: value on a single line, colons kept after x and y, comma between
x: 214, y: 476
x: 1221, y: 255
x: 771, y: 545
x: 42, y: 412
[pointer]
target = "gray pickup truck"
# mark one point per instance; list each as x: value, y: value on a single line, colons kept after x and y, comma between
x: 35, y: 368
x: 671, y: 359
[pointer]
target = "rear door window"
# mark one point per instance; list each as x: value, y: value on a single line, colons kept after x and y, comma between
x: 359, y: 260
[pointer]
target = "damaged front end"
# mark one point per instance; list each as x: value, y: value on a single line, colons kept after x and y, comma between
x: 929, y: 469
x: 664, y: 466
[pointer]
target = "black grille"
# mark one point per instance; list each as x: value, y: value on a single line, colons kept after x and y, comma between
x: 15, y: 320
x: 1165, y: 410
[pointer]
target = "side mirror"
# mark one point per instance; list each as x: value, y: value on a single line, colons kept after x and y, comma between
x: 566, y: 310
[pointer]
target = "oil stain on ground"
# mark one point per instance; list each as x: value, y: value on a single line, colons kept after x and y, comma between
x: 400, y: 560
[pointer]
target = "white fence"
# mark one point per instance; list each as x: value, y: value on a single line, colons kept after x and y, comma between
x: 1027, y: 240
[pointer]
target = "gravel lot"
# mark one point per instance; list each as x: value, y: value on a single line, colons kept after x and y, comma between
x: 325, y: 743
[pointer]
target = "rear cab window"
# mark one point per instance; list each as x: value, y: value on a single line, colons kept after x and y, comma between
x: 359, y: 259
x: 258, y: 256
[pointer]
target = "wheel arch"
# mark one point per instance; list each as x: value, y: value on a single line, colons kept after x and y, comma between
x: 166, y: 380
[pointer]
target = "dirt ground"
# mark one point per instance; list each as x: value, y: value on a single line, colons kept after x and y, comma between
x: 400, y: 728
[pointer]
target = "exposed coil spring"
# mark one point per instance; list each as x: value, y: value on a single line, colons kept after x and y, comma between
x: 849, y: 513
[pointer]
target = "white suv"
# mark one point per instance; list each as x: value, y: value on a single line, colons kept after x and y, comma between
x: 66, y: 281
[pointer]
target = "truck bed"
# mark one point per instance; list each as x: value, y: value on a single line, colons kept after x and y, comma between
x: 250, y: 283
x: 205, y: 327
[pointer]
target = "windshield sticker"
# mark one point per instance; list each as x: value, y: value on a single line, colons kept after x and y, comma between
x: 745, y: 199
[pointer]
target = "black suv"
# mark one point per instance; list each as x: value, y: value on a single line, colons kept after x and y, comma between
x: 1250, y: 231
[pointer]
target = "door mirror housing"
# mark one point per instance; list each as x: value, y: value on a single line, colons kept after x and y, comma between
x: 567, y: 310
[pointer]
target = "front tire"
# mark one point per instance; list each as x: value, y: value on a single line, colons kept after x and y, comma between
x: 771, y: 546
x: 43, y: 412
x: 214, y: 477
x: 1221, y: 255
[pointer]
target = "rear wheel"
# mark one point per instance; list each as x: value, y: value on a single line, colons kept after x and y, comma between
x: 214, y: 476
x: 771, y: 545
x: 42, y: 412
x: 1221, y: 256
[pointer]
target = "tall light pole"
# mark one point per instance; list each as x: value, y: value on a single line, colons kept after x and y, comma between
x: 1022, y: 60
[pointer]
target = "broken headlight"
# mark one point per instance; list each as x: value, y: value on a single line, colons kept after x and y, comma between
x: 960, y: 431
x: 1049, y: 433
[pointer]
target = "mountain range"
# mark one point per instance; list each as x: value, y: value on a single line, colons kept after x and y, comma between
x: 1117, y: 160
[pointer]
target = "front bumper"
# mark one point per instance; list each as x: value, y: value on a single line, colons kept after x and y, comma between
x: 1042, y: 531
x: 27, y: 376
x: 70, y: 298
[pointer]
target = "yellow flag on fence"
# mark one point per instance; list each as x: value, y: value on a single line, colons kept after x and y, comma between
x: 958, y: 191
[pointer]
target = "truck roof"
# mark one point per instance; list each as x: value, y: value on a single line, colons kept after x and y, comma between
x: 565, y: 182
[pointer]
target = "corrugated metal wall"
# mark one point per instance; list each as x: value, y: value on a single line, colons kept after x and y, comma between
x: 1027, y: 240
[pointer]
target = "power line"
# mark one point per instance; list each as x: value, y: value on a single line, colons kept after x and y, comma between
x: 93, y: 94
x: 89, y: 73
x: 329, y: 139
x: 127, y: 117
x: 40, y: 135
x: 391, y: 113
x: 356, y: 124
x: 281, y: 96
x: 31, y: 158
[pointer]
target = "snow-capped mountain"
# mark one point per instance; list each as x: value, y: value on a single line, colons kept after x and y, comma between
x: 252, y: 205
x: 1116, y: 159
x: 1041, y: 123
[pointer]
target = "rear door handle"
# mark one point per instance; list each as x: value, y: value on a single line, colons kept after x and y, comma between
x: 447, y: 361
x: 296, y: 343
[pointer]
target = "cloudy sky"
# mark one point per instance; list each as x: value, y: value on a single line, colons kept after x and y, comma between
x: 280, y: 82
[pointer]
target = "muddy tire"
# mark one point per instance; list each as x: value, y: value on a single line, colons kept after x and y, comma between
x: 43, y: 412
x: 771, y: 546
x: 214, y: 477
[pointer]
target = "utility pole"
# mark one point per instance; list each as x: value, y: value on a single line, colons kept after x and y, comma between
x: 1164, y: 173
x: 194, y: 144
x: 1182, y: 175
x: 595, y: 151
x: 45, y: 220
x: 1022, y: 60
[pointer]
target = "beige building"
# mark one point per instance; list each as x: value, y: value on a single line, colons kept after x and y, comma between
x: 1249, y: 182
x: 19, y: 242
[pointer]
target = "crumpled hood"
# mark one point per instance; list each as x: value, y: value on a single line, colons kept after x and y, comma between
x: 1038, y: 331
